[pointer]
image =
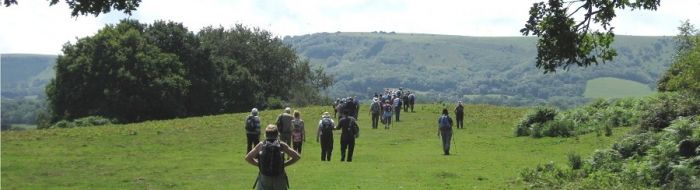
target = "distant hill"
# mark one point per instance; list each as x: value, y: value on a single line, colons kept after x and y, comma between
x: 486, y: 69
x: 25, y: 75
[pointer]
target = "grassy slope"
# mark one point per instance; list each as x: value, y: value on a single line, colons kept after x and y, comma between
x: 608, y: 87
x: 207, y: 153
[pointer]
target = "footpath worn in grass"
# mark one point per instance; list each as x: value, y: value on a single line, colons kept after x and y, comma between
x: 207, y: 153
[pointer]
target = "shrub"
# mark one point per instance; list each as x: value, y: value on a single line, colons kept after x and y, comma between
x: 82, y: 122
x: 635, y: 145
x: 606, y: 160
x: 558, y: 128
x: 575, y: 161
x: 539, y: 115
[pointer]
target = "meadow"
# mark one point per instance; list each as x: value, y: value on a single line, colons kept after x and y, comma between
x: 207, y: 153
x: 609, y: 87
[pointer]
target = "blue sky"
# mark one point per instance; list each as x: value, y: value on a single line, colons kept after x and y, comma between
x: 34, y: 27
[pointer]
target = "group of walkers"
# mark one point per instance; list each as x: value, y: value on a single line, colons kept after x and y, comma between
x: 269, y: 155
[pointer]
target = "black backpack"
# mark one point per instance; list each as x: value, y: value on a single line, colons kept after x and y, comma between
x: 251, y: 125
x: 271, y: 159
x: 326, y: 127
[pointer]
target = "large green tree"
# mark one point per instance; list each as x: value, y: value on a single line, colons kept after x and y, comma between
x: 94, y: 7
x: 134, y: 72
x: 564, y: 41
x: 119, y: 74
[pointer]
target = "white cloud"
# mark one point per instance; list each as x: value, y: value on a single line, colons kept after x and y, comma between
x: 34, y: 27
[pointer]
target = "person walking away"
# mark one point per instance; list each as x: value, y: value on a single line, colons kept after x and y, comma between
x: 252, y: 129
x: 298, y: 132
x: 411, y: 100
x: 325, y: 132
x: 397, y: 107
x: 349, y: 132
x: 459, y: 114
x: 374, y: 110
x: 445, y: 130
x: 387, y: 108
x: 268, y: 156
x: 357, y: 108
x: 404, y: 99
x: 339, y: 108
x: 350, y: 106
x: 284, y: 124
x: 335, y: 106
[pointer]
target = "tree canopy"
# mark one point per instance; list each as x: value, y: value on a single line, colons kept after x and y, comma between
x: 134, y: 72
x: 563, y: 41
x: 684, y: 74
x: 94, y: 7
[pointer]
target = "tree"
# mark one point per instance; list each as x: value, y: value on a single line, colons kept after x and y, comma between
x: 95, y: 7
x: 564, y: 42
x: 117, y: 74
x: 684, y: 74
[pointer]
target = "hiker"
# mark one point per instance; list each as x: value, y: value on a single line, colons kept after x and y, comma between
x: 357, y: 108
x: 298, y: 133
x: 268, y: 156
x: 252, y: 129
x: 339, y: 108
x: 374, y: 110
x: 445, y: 130
x: 349, y: 131
x: 325, y: 132
x: 350, y: 106
x: 335, y: 107
x: 459, y: 114
x: 397, y: 107
x: 404, y: 99
x: 411, y: 100
x: 386, y: 112
x: 284, y: 124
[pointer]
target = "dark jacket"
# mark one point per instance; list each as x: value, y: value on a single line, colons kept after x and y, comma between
x: 349, y: 128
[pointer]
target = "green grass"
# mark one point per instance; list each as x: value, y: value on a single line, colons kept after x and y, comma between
x: 608, y: 87
x: 207, y: 153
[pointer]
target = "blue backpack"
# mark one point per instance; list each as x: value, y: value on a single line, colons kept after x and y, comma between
x: 444, y: 122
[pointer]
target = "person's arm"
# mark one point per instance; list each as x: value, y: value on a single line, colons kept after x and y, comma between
x: 251, y: 157
x: 318, y: 131
x: 294, y: 155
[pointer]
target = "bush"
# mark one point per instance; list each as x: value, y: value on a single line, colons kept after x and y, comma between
x: 575, y: 161
x: 539, y: 115
x: 605, y: 160
x: 665, y: 108
x: 558, y: 128
x: 635, y: 145
x: 83, y: 122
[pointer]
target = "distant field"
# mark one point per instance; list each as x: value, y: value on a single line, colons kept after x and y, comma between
x: 608, y: 87
x: 207, y: 153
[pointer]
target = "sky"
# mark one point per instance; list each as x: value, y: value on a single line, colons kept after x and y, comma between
x: 33, y: 26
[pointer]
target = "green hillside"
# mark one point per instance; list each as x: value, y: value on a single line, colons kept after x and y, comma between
x: 447, y: 67
x: 207, y: 153
x: 608, y: 87
x: 25, y: 74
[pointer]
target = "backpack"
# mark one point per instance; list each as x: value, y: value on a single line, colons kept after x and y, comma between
x: 387, y: 108
x: 251, y: 125
x: 271, y: 159
x: 374, y: 107
x: 326, y: 127
x: 444, y: 122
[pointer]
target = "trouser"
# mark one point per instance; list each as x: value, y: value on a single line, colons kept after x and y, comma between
x: 297, y: 146
x: 326, y: 148
x: 405, y: 107
x: 348, y: 145
x: 460, y: 121
x: 387, y: 120
x: 412, y: 106
x: 375, y: 120
x: 446, y: 138
x: 253, y: 139
x: 397, y: 111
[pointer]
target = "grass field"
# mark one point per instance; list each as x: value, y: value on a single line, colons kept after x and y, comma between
x: 207, y: 153
x: 608, y: 87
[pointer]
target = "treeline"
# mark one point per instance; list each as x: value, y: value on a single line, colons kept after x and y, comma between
x: 134, y: 72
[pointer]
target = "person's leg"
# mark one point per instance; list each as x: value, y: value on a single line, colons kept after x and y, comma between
x: 300, y: 145
x: 449, y: 139
x: 343, y: 148
x: 249, y: 143
x: 444, y: 142
x: 351, y: 149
